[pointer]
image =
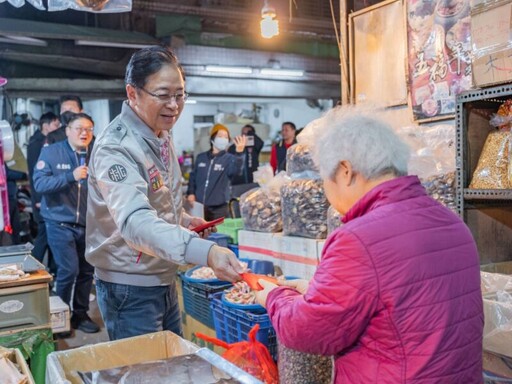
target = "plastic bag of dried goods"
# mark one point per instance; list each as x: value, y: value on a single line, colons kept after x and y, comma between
x: 302, y: 368
x: 304, y: 208
x: 492, y: 170
x: 260, y: 208
x: 333, y: 219
x: 299, y: 163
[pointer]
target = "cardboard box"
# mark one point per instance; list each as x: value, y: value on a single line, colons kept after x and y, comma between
x: 17, y: 358
x: 299, y: 256
x: 491, y: 36
x: 258, y: 245
x: 497, y: 336
x: 59, y: 315
x: 62, y: 365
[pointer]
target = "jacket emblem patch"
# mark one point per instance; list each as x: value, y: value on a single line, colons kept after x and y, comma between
x: 117, y: 173
x: 218, y: 167
x: 40, y: 164
x: 155, y: 179
x: 63, y: 166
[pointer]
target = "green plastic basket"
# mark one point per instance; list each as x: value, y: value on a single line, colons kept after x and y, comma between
x: 231, y: 227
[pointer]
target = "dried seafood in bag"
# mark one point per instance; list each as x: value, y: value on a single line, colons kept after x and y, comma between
x: 303, y: 368
x: 304, y: 208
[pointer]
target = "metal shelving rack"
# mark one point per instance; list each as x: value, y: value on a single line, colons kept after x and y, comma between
x: 487, y: 212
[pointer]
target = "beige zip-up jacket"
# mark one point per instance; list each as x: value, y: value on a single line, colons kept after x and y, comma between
x: 134, y: 212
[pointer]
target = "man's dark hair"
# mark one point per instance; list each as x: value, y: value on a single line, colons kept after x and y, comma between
x: 77, y: 99
x: 290, y: 124
x: 81, y: 115
x: 251, y: 128
x: 47, y: 118
x: 148, y: 61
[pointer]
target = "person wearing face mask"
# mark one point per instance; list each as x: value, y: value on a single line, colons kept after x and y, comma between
x: 213, y: 172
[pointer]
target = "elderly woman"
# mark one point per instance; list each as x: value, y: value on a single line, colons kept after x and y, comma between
x: 396, y: 297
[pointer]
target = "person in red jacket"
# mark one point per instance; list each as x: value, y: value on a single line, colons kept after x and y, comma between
x: 278, y: 151
x: 396, y: 297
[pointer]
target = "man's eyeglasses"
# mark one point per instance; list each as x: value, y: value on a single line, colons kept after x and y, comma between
x: 80, y: 129
x: 179, y: 97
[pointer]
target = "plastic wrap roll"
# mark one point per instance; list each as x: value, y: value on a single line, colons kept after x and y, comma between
x: 7, y: 139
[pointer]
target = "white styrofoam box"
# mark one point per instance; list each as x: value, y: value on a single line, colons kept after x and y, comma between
x: 320, y: 247
x: 257, y: 246
x: 299, y: 256
x: 59, y: 315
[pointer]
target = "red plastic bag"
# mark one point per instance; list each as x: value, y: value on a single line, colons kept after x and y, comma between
x: 251, y: 356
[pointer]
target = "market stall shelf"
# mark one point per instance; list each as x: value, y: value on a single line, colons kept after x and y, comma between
x: 487, y: 212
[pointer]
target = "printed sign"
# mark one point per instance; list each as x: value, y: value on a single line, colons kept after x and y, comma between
x: 117, y: 173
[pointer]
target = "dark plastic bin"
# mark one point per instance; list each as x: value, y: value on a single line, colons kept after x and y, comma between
x: 196, y: 299
x: 220, y: 239
x: 233, y: 325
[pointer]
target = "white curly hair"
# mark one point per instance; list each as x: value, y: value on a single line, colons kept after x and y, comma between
x: 359, y: 136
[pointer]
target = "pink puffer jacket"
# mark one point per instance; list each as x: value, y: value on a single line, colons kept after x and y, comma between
x: 396, y: 297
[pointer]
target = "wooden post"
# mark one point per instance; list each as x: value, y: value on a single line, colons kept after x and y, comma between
x: 344, y: 64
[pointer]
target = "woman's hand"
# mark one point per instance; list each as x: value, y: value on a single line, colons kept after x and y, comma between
x: 261, y: 296
x: 299, y: 285
x: 240, y: 142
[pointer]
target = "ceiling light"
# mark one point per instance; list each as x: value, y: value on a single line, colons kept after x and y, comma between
x: 190, y: 101
x: 23, y: 40
x: 111, y: 44
x: 269, y: 26
x: 281, y: 72
x: 222, y: 69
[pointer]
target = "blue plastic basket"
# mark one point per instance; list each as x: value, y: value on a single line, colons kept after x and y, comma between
x: 233, y: 325
x: 220, y: 239
x: 196, y: 300
x: 234, y: 248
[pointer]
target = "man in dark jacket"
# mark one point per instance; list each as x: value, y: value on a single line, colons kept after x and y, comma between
x: 278, y: 152
x: 252, y: 153
x: 49, y: 122
x: 60, y: 176
x: 12, y: 188
x: 69, y: 105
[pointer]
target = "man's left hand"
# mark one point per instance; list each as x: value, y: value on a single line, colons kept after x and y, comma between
x: 197, y: 221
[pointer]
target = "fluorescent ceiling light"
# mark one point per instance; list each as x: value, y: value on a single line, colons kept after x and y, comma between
x: 190, y: 101
x: 281, y: 72
x: 23, y: 40
x: 222, y: 69
x: 110, y: 44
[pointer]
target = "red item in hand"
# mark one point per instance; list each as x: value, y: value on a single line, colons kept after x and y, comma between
x: 209, y: 224
x: 252, y: 280
x: 252, y: 356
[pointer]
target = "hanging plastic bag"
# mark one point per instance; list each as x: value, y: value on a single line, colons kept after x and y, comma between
x: 95, y: 6
x: 299, y: 163
x: 260, y: 208
x: 20, y: 3
x: 251, y: 356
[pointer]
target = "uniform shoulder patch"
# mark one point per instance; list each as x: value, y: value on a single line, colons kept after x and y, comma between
x: 117, y: 173
x: 40, y: 164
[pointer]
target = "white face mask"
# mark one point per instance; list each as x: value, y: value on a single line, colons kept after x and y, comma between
x: 220, y: 143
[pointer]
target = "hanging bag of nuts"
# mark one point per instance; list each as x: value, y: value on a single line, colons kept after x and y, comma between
x: 493, y: 168
x: 260, y: 208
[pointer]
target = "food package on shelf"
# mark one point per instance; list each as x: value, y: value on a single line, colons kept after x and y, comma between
x: 304, y: 208
x: 492, y: 170
x: 298, y: 367
x: 433, y: 160
x: 333, y: 219
x: 95, y: 6
x: 497, y: 334
x: 299, y: 163
x: 260, y: 208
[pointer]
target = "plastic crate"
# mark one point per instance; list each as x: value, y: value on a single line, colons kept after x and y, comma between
x: 231, y: 227
x: 196, y: 300
x: 233, y: 325
x: 234, y: 248
x: 221, y: 239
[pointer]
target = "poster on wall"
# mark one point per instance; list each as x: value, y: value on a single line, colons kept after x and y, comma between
x: 439, y: 60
